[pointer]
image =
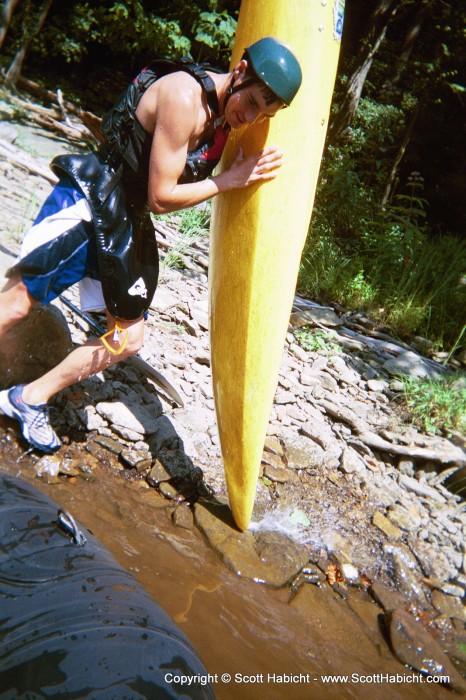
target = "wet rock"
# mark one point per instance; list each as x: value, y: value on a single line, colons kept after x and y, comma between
x: 71, y: 467
x: 406, y: 573
x: 380, y: 521
x: 448, y: 605
x: 183, y: 517
x: 169, y: 491
x: 48, y: 468
x: 108, y: 443
x: 34, y: 346
x: 388, y: 598
x: 267, y: 557
x: 452, y: 589
x: 415, y: 647
x: 341, y: 628
x: 136, y: 459
x: 157, y: 474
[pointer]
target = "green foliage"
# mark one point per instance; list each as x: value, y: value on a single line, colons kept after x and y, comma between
x: 214, y: 31
x: 192, y: 225
x: 429, y: 296
x: 316, y: 341
x: 382, y: 258
x: 437, y: 406
x: 121, y: 28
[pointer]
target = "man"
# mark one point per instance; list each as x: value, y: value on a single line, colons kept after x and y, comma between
x: 163, y: 140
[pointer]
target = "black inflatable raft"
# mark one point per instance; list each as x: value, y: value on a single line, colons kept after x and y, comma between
x: 73, y: 622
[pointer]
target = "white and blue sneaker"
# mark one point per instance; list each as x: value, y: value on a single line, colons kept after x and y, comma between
x: 35, y: 421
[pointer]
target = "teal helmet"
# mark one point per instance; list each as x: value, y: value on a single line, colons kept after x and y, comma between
x: 274, y: 64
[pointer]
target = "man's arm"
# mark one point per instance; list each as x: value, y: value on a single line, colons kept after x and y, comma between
x: 177, y: 113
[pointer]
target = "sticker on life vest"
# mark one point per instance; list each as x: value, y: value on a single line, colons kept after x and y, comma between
x: 139, y: 288
x: 338, y: 15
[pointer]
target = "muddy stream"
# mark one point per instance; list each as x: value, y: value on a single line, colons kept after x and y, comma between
x: 258, y: 636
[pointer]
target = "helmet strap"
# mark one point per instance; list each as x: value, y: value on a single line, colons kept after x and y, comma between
x: 232, y: 88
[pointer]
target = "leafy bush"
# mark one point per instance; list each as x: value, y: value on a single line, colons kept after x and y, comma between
x: 437, y: 406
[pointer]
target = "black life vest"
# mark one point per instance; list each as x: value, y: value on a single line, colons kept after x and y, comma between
x: 129, y: 143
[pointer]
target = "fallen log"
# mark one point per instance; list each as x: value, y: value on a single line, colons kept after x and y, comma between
x: 18, y: 158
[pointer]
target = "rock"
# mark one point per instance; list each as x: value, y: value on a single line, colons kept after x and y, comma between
x: 274, y: 446
x: 377, y: 385
x: 268, y: 557
x: 447, y: 605
x: 345, y: 374
x: 407, y: 519
x: 415, y: 647
x: 420, y: 489
x: 323, y: 316
x: 137, y: 459
x: 108, y: 443
x: 157, y: 474
x: 409, y: 364
x: 328, y: 382
x: 351, y: 462
x: 303, y: 453
x: 164, y: 300
x: 169, y: 491
x: 279, y: 475
x: 299, y: 352
x: 386, y: 526
x: 183, y: 517
x: 406, y: 574
x: 35, y: 345
x: 176, y: 360
x: 48, y: 468
x: 200, y: 313
x: 134, y: 417
x: 341, y: 629
x: 387, y: 598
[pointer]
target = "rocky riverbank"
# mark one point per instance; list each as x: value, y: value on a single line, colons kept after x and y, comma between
x: 350, y: 497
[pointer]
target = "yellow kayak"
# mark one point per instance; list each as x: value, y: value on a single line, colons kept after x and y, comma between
x: 257, y: 237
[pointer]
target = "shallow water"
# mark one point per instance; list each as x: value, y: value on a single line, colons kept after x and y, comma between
x: 236, y: 625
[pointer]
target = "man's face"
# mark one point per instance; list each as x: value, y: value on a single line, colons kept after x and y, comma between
x: 248, y: 105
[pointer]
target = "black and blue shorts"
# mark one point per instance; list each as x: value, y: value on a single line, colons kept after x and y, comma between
x: 60, y: 249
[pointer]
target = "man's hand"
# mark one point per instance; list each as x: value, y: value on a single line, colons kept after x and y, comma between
x: 258, y: 167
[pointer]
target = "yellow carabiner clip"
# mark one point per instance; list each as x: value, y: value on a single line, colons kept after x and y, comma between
x: 115, y: 332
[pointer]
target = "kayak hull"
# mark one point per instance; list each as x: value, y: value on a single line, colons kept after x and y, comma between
x: 257, y: 238
x: 73, y: 622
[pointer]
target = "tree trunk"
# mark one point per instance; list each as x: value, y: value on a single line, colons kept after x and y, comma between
x: 410, y: 39
x: 392, y: 178
x: 378, y: 24
x: 9, y: 6
x: 14, y: 71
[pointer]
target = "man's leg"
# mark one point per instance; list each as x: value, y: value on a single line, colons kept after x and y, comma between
x: 28, y: 403
x: 84, y: 361
x: 15, y: 304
